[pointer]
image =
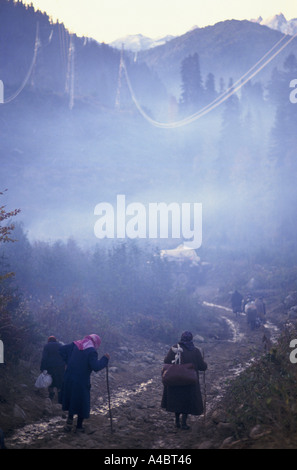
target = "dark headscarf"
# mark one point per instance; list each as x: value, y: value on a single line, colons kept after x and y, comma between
x: 51, y: 339
x: 187, y: 340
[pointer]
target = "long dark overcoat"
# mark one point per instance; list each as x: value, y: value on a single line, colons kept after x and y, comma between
x: 52, y: 362
x: 186, y: 399
x: 75, y: 396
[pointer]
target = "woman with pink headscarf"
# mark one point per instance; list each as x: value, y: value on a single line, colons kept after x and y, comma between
x: 81, y: 359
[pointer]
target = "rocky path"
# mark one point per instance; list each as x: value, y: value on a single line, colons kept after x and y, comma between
x: 138, y: 422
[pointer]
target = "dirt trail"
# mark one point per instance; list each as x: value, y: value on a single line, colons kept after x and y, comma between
x: 137, y: 419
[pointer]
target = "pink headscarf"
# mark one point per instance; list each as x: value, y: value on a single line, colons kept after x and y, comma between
x: 89, y: 341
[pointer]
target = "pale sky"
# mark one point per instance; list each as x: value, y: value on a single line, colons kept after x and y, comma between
x: 107, y: 20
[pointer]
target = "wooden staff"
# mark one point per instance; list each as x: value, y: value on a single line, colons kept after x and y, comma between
x: 108, y: 393
x: 204, y: 390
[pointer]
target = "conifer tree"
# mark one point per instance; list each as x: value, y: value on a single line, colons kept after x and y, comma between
x: 283, y: 150
x: 210, y: 91
x: 230, y: 141
x: 192, y: 89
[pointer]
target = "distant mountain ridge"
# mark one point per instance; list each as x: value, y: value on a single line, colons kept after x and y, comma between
x: 227, y: 49
x: 139, y: 42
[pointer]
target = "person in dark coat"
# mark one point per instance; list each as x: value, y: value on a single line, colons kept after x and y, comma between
x: 261, y: 309
x: 186, y: 399
x: 252, y: 315
x: 236, y: 302
x: 81, y: 358
x: 52, y: 362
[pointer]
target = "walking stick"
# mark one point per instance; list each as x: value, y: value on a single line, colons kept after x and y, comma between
x: 108, y: 393
x: 204, y: 389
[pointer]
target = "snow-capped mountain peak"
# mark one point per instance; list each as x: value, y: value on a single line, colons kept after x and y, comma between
x: 138, y: 42
x: 280, y: 23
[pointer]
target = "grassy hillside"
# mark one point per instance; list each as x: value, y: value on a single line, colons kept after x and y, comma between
x: 261, y: 402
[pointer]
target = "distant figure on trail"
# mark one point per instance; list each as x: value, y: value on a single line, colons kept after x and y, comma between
x: 52, y: 362
x: 252, y: 315
x: 247, y: 298
x: 261, y: 309
x: 187, y: 399
x: 236, y: 302
x: 81, y: 358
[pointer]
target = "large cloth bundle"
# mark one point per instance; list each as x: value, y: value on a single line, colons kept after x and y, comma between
x: 179, y: 375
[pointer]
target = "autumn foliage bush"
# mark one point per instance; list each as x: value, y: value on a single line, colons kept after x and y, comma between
x: 16, y: 327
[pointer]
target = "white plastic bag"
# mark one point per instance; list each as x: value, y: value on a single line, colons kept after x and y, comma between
x: 44, y: 380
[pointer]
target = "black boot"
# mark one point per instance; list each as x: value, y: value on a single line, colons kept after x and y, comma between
x: 79, y: 425
x: 177, y: 422
x: 184, y: 422
x: 69, y: 424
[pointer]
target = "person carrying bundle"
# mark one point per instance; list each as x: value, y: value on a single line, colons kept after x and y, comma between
x: 186, y: 399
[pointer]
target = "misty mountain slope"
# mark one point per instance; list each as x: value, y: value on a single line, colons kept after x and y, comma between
x: 63, y: 59
x: 59, y: 161
x: 58, y: 164
x: 227, y: 49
